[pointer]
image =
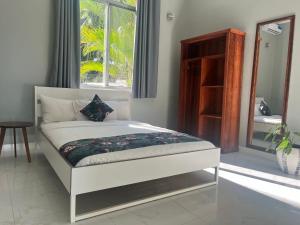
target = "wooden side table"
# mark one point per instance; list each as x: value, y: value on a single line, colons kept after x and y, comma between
x: 14, y: 126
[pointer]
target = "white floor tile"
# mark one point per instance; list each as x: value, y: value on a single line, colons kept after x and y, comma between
x: 31, y: 194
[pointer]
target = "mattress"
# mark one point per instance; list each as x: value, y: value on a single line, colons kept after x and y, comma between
x: 275, y: 119
x: 60, y: 133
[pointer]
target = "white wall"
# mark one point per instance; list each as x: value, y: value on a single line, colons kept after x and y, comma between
x: 25, y: 35
x: 204, y: 16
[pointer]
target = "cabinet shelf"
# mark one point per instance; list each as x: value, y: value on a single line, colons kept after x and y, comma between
x: 216, y: 56
x: 212, y: 86
x: 193, y: 59
x: 213, y: 116
x: 211, y: 101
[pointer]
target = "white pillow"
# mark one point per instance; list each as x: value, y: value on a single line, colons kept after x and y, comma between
x: 256, y: 110
x: 57, y: 110
x: 114, y: 114
x: 79, y: 105
x: 258, y: 100
x: 121, y: 110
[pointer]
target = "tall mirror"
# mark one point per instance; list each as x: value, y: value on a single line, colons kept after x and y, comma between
x: 270, y: 79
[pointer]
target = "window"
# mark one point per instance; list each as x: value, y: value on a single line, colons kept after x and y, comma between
x: 107, y: 42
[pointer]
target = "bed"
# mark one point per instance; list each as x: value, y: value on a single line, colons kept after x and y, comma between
x: 263, y: 123
x: 266, y: 123
x: 114, y: 169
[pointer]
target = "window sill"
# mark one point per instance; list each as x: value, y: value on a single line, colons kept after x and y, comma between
x: 101, y: 86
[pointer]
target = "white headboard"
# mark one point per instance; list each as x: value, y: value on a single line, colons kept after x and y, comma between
x: 73, y: 94
x: 258, y: 100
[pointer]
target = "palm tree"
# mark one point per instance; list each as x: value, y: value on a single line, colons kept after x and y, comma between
x: 121, y: 40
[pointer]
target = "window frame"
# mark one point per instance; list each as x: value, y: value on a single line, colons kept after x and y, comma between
x: 107, y: 31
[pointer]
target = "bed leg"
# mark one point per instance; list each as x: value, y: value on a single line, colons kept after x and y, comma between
x: 72, y: 208
x: 217, y: 174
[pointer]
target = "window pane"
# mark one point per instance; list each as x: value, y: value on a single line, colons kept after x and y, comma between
x: 92, y: 15
x: 121, y: 47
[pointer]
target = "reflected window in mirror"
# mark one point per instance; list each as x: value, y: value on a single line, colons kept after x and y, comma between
x: 270, y: 81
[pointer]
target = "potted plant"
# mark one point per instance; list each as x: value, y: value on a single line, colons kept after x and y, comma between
x: 288, y: 154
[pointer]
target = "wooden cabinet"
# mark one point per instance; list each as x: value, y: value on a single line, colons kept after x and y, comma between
x: 210, y: 87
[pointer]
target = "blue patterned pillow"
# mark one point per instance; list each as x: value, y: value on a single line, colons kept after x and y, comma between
x: 264, y: 109
x: 97, y: 110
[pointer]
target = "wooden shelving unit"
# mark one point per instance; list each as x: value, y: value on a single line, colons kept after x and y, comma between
x: 210, y: 87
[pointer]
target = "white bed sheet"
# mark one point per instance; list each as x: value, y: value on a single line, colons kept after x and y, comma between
x: 275, y: 119
x: 61, y: 133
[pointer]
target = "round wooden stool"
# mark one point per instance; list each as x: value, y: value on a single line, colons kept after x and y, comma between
x: 14, y: 126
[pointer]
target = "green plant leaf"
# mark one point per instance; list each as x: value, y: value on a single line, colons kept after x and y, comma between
x: 268, y: 136
x: 91, y: 66
x: 92, y: 40
x: 289, y: 149
x: 283, y: 144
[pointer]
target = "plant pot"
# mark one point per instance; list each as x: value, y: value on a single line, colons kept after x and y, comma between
x: 289, y: 164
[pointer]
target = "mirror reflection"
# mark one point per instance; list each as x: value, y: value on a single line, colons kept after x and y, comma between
x: 271, y: 72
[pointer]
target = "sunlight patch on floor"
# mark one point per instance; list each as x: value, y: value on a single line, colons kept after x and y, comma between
x: 262, y: 175
x: 279, y: 192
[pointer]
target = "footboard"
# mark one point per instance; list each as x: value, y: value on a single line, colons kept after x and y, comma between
x: 100, y: 177
x: 84, y: 179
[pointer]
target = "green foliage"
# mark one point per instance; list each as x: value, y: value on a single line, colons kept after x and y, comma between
x: 129, y: 2
x: 92, y: 13
x: 121, y: 40
x: 121, y: 44
x: 282, y: 139
x: 89, y: 66
x: 92, y: 40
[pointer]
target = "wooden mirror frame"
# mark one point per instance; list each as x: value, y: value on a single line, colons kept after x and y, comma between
x: 254, y: 76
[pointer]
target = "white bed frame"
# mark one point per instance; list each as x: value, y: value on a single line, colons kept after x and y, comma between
x: 100, y: 177
x: 263, y: 127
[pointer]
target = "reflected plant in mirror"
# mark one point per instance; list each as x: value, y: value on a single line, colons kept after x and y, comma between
x: 270, y: 80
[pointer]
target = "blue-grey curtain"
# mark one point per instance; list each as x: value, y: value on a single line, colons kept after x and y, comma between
x: 66, y: 63
x: 146, y: 49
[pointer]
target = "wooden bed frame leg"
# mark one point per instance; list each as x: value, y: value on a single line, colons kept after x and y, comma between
x: 72, y: 208
x: 217, y: 174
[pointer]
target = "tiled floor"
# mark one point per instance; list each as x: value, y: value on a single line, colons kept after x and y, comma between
x: 252, y: 191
